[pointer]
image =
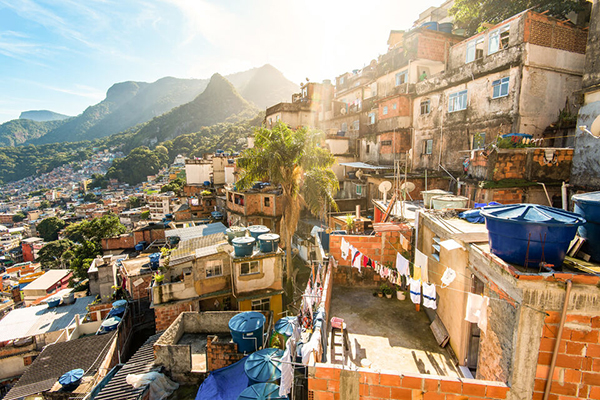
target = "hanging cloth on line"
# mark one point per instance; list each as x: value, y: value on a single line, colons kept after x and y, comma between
x: 345, y: 248
x: 402, y: 265
x: 476, y: 311
x: 429, y: 296
x: 421, y: 262
x: 415, y: 290
x: 448, y: 277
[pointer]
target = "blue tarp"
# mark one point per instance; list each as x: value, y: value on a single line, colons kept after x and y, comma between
x: 225, y: 383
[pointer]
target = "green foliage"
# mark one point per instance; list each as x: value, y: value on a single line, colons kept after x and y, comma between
x: 145, y: 214
x: 99, y: 228
x: 19, y: 131
x: 57, y: 253
x: 44, y: 204
x: 98, y: 181
x: 50, y: 227
x: 19, y: 216
x: 175, y: 185
x: 84, y: 255
x: 134, y: 168
x: 37, y: 192
x: 134, y: 202
x: 472, y: 14
x: 513, y: 142
x: 90, y: 197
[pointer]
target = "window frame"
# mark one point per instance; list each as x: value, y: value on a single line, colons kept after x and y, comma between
x: 500, y: 84
x: 385, y: 110
x: 497, y: 37
x: 359, y: 190
x: 394, y: 106
x: 259, y: 304
x: 267, y: 201
x: 212, y: 265
x: 471, y: 50
x: 250, y: 271
x: 428, y: 147
x: 344, y: 127
x: 356, y: 125
x: 478, y: 141
x: 399, y: 76
x: 428, y: 104
x: 386, y: 142
x: 454, y: 101
x: 371, y: 116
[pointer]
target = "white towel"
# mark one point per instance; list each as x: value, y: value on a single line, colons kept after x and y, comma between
x: 477, y: 310
x: 448, y: 277
x: 287, y: 369
x: 415, y: 290
x: 482, y: 324
x: 402, y: 265
x: 345, y: 247
x: 429, y: 296
x: 421, y: 261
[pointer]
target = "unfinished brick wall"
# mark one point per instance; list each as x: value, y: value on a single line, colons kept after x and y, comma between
x: 165, y: 315
x: 577, y: 371
x: 103, y: 308
x: 141, y: 290
x: 401, y: 142
x: 333, y: 383
x: 549, y: 32
x: 381, y: 247
x: 434, y: 45
x: 221, y: 354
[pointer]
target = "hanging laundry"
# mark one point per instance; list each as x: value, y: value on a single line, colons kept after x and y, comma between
x: 354, y: 252
x: 416, y: 273
x: 404, y: 242
x: 365, y: 260
x: 370, y: 263
x: 415, y: 290
x: 345, y: 248
x: 476, y: 311
x: 421, y: 261
x: 448, y: 277
x: 402, y: 265
x: 429, y: 296
x: 357, y: 261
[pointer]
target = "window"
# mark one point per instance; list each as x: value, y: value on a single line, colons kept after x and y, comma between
x: 249, y: 268
x: 401, y: 77
x: 368, y: 149
x: 374, y: 89
x: 261, y: 304
x: 344, y: 127
x: 270, y: 121
x: 479, y: 141
x: 356, y: 125
x: 371, y: 118
x: 342, y: 79
x: 386, y: 142
x: 428, y: 146
x: 475, y: 49
x: 500, y: 87
x: 214, y: 268
x: 385, y: 110
x: 425, y: 107
x: 359, y: 190
x: 435, y: 250
x: 457, y: 101
x: 499, y: 39
x: 267, y: 202
x: 394, y: 106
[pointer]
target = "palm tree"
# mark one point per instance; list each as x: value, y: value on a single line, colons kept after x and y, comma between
x: 293, y: 160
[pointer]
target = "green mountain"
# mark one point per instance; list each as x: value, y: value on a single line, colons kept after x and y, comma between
x: 219, y: 102
x: 42, y: 115
x: 264, y: 86
x: 19, y: 131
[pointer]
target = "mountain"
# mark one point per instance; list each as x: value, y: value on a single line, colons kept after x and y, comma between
x: 264, y: 86
x: 42, y: 115
x: 219, y: 102
x: 19, y: 131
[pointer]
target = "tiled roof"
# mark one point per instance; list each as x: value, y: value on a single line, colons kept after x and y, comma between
x: 86, y: 353
x: 141, y: 362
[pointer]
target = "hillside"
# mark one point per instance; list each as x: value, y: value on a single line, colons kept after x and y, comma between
x: 219, y: 102
x: 19, y: 131
x: 264, y: 86
x: 42, y: 115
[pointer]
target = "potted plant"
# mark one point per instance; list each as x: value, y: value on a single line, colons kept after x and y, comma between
x: 159, y: 278
x: 386, y: 289
x: 400, y: 293
x: 350, y: 223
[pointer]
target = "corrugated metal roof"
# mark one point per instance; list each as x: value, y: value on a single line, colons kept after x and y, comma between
x: 140, y: 363
x: 196, y: 231
x: 366, y: 166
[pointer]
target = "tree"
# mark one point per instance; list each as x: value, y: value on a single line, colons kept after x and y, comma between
x: 96, y: 229
x: 145, y: 214
x: 56, y: 254
x: 50, y: 227
x: 19, y: 216
x: 292, y: 160
x: 83, y: 255
x: 472, y: 14
x: 89, y: 197
x: 134, y: 202
x: 175, y: 185
x: 44, y: 204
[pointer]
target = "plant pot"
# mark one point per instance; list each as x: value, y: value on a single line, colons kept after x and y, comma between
x: 380, y: 294
x: 400, y: 295
x: 389, y: 296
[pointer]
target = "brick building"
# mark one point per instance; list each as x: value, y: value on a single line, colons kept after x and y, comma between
x: 254, y: 207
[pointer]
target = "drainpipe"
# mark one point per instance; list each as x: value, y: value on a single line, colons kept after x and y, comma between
x: 565, y: 199
x: 563, y: 317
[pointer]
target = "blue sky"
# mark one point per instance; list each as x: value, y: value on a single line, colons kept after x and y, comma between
x: 62, y: 55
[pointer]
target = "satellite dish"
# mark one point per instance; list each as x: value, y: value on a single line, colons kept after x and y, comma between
x: 328, y: 231
x: 407, y: 187
x: 385, y: 186
x: 595, y: 129
x: 359, y: 173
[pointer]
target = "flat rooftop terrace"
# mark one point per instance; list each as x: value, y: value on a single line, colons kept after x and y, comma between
x: 197, y: 343
x: 389, y: 333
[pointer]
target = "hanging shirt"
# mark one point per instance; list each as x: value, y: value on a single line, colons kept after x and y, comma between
x: 402, y: 265
x: 365, y: 260
x: 415, y: 290
x: 404, y: 242
x: 429, y: 296
x: 357, y: 261
x: 448, y: 277
x: 345, y: 247
x: 421, y: 261
x: 476, y: 311
x: 416, y: 273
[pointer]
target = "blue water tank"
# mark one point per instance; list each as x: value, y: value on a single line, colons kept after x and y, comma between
x: 70, y: 380
x: 257, y: 230
x: 268, y: 242
x: 261, y: 391
x: 547, y: 230
x: 430, y: 25
x: 53, y: 301
x: 247, y: 330
x: 446, y: 27
x: 243, y: 246
x: 264, y: 366
x: 139, y: 247
x: 206, y: 183
x: 109, y: 325
x: 588, y: 206
x: 285, y: 326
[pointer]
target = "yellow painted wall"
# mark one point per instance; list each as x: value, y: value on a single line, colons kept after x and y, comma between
x: 276, y: 303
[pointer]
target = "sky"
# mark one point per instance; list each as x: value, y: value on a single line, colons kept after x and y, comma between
x: 63, y: 55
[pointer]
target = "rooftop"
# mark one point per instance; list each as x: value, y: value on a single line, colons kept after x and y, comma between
x: 48, y: 279
x: 36, y: 320
x: 133, y: 266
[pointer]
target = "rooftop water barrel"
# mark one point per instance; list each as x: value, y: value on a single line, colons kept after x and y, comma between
x: 68, y: 298
x: 109, y: 325
x: 269, y: 242
x: 257, y: 230
x: 243, y: 246
x: 285, y: 326
x: 235, y: 231
x: 139, y: 247
x: 588, y: 206
x: 512, y: 227
x: 428, y: 194
x: 261, y: 391
x: 432, y: 25
x: 459, y: 31
x: 70, y: 380
x: 446, y: 27
x: 53, y: 301
x: 449, y: 201
x: 264, y: 366
x: 247, y: 330
x: 155, y: 260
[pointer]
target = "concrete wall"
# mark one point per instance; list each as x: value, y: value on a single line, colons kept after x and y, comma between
x: 269, y: 277
x: 197, y: 173
x: 586, y: 168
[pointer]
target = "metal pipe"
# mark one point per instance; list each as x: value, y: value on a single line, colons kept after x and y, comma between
x: 546, y: 191
x: 563, y: 317
x: 565, y: 199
